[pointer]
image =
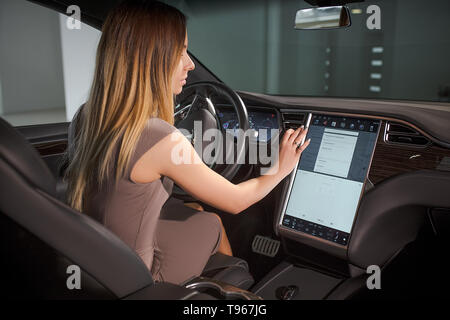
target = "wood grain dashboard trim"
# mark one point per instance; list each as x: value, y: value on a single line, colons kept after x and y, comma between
x: 390, y: 160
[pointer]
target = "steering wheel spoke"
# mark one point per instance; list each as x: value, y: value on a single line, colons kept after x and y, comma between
x: 196, y: 110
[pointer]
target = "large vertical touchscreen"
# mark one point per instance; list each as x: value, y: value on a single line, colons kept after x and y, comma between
x: 327, y: 184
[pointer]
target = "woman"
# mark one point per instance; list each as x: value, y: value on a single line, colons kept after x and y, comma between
x: 125, y: 139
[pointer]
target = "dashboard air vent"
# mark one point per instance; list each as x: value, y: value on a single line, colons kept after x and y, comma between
x: 293, y: 119
x: 399, y: 134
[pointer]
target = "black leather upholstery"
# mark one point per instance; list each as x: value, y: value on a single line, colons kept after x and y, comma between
x: 220, y: 260
x: 27, y: 199
x: 406, y: 199
x: 230, y: 270
x: 35, y: 225
x: 25, y: 161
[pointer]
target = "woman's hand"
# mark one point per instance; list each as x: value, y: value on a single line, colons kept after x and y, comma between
x: 290, y: 151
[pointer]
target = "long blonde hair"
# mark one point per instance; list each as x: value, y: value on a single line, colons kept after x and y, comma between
x: 140, y: 46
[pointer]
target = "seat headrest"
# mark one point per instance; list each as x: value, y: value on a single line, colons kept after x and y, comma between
x: 16, y: 151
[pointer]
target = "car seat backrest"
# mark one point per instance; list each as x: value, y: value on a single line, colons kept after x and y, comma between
x: 15, y: 150
x: 29, y: 210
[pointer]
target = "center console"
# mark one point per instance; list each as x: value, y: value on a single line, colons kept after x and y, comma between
x: 220, y: 290
x: 289, y: 282
x: 319, y: 208
x: 325, y: 188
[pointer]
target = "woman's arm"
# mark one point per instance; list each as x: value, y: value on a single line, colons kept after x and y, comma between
x: 207, y: 185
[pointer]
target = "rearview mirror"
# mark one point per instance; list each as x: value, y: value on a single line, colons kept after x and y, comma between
x: 322, y: 18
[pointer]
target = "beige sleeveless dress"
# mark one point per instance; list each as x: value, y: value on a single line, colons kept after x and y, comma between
x: 175, y: 246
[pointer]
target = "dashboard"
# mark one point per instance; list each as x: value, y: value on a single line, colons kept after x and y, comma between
x: 402, y: 148
x: 262, y: 121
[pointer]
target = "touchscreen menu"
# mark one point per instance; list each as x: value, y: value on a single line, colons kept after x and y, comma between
x: 324, y: 195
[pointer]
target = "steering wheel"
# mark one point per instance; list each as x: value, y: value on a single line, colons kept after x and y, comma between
x: 196, y: 113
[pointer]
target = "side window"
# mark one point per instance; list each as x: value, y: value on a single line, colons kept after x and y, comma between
x: 46, y: 67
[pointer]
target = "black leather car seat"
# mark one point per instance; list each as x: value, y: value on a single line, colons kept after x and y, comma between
x: 41, y: 236
x: 221, y: 267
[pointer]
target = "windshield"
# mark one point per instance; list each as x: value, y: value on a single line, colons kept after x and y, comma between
x: 397, y: 49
